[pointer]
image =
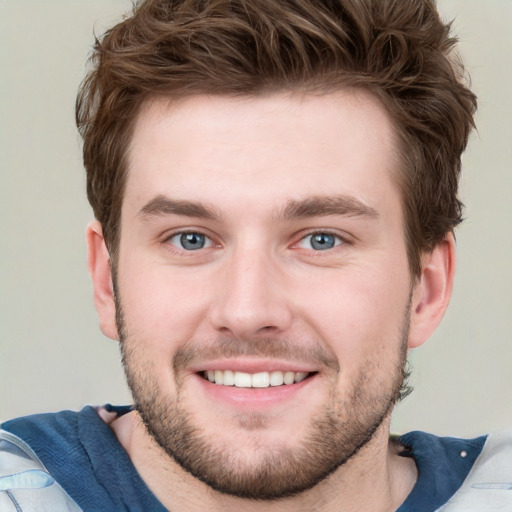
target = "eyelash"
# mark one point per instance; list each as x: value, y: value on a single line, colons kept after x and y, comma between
x: 338, y: 240
x: 208, y: 240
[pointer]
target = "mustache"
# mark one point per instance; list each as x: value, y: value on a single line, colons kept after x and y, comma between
x: 196, y: 351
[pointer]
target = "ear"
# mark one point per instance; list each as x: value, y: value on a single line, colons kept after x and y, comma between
x: 98, y: 264
x: 432, y: 292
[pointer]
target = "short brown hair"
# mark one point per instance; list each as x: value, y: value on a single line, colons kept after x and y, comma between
x: 398, y: 50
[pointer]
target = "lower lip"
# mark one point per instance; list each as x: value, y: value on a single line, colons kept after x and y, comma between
x: 251, y: 398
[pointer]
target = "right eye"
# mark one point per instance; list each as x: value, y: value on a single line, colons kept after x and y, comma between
x: 190, y: 241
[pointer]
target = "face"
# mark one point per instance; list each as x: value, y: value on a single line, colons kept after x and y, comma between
x: 262, y: 285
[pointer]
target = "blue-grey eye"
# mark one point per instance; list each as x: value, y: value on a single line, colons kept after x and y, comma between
x: 320, y: 241
x: 190, y: 241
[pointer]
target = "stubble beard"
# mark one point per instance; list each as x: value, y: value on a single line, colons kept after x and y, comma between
x: 337, y: 435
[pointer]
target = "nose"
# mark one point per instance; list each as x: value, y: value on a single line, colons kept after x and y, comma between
x: 253, y: 299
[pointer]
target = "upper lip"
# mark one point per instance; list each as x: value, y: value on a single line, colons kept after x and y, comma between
x: 254, y: 365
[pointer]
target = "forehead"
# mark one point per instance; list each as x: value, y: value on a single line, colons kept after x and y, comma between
x: 261, y: 151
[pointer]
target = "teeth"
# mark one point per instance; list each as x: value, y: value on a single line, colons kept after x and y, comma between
x: 229, y: 378
x: 260, y: 380
x: 300, y: 376
x: 242, y: 380
x: 254, y: 380
x: 276, y: 379
x: 289, y: 378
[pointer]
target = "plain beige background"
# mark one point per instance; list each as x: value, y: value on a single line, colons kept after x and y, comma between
x: 52, y: 354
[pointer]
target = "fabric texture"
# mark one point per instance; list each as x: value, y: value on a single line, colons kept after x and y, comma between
x: 25, y: 484
x: 443, y: 464
x: 85, y: 458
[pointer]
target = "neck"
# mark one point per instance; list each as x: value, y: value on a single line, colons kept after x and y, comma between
x: 375, y: 479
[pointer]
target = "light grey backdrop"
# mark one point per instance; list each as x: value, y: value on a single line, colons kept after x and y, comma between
x: 52, y: 355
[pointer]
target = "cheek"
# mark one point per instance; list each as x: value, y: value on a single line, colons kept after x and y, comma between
x: 358, y: 313
x: 162, y: 305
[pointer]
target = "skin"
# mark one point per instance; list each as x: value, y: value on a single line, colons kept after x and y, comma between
x: 259, y: 295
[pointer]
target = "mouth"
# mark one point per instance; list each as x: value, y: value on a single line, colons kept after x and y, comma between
x: 254, y: 380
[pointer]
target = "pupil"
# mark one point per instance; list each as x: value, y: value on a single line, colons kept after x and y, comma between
x: 322, y: 241
x: 192, y: 241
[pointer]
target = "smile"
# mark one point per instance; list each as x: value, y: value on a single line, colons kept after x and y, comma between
x: 254, y: 380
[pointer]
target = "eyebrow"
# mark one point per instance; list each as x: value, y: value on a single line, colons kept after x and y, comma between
x: 163, y: 205
x: 317, y: 206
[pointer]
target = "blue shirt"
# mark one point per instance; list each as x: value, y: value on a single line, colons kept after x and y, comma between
x: 85, y: 457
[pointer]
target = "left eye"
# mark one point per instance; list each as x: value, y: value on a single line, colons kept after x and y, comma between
x: 190, y: 241
x: 320, y: 241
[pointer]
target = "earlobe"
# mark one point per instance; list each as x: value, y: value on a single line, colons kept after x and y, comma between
x: 98, y: 264
x: 432, y: 292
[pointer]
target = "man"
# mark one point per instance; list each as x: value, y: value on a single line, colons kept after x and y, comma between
x: 275, y: 189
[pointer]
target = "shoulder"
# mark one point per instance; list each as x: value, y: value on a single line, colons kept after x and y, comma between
x: 26, y: 481
x: 60, y: 442
x: 50, y: 428
x: 55, y: 437
x: 488, y: 485
x: 65, y: 438
x: 448, y: 468
x: 437, y: 452
x: 81, y: 452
